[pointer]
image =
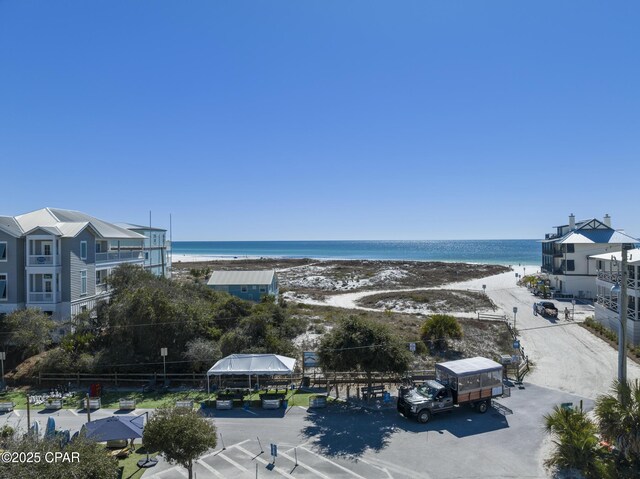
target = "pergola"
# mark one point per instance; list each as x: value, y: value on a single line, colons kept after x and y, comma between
x: 251, y: 365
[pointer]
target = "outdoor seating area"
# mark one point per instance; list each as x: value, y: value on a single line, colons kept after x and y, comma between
x: 372, y: 392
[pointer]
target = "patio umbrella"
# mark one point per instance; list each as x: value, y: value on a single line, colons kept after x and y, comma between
x: 113, y: 428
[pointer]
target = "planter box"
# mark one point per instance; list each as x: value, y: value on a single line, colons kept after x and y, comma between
x: 188, y: 404
x: 317, y: 401
x: 224, y: 404
x: 271, y: 403
x: 6, y: 406
x: 94, y: 403
x: 127, y: 404
x: 53, y: 404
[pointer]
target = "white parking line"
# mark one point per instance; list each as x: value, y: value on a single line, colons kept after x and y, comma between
x: 396, y: 468
x: 232, y: 462
x: 220, y: 450
x: 305, y: 466
x: 331, y: 462
x: 259, y: 459
x: 16, y: 413
x: 73, y: 412
x: 209, y: 468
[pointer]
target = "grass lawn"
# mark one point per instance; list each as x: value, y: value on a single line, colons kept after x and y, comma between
x: 147, y: 400
x: 129, y: 466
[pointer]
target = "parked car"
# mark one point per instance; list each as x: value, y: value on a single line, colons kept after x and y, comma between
x: 546, y: 308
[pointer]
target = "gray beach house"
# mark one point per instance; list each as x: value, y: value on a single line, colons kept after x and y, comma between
x: 249, y: 285
x: 57, y: 260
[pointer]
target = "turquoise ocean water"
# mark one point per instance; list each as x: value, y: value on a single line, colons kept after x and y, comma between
x: 507, y: 252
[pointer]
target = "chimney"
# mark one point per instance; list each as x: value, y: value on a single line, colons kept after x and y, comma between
x: 572, y: 222
x: 607, y: 220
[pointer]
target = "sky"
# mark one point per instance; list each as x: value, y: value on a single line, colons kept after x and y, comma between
x: 331, y: 119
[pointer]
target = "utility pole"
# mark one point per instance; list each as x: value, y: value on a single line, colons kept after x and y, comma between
x: 622, y: 309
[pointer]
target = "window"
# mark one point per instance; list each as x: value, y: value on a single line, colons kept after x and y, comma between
x: 146, y: 255
x: 571, y: 248
x: 571, y: 265
x: 83, y: 282
x: 3, y: 287
x: 244, y: 289
x: 263, y: 289
x: 83, y: 250
x: 3, y: 251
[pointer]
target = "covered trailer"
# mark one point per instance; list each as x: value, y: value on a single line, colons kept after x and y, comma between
x: 473, y: 381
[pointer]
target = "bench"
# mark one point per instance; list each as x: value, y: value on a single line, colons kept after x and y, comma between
x: 275, y: 384
x: 372, y: 392
x: 6, y: 406
x: 187, y: 404
x: 127, y: 404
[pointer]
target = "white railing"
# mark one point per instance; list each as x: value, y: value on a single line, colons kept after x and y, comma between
x: 43, y: 260
x: 614, y: 277
x: 101, y: 288
x: 43, y: 297
x: 118, y: 256
x: 612, y: 305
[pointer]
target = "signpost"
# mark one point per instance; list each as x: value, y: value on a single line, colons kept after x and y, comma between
x: 515, y: 312
x: 573, y: 309
x: 163, y: 353
x: 274, y: 452
x: 3, y: 356
x: 412, y: 347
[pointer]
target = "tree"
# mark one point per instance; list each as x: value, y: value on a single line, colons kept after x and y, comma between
x: 576, y: 442
x: 180, y: 434
x: 439, y: 327
x: 202, y: 353
x: 618, y: 416
x: 30, y: 330
x: 90, y: 462
x: 358, y: 344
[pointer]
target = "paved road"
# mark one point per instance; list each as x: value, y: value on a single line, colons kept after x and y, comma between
x: 566, y: 356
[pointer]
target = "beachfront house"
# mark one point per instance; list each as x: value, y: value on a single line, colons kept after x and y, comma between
x: 249, y: 285
x: 567, y: 254
x: 157, y: 248
x: 58, y: 260
x: 608, y: 268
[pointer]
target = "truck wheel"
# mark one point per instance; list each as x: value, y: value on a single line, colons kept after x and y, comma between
x: 483, y: 407
x: 424, y: 416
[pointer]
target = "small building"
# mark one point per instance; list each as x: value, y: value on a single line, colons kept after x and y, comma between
x: 249, y: 285
x: 157, y: 248
x: 607, y: 302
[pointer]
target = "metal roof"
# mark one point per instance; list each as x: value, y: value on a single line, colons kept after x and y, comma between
x: 69, y: 223
x: 10, y: 226
x: 465, y: 367
x: 222, y: 278
x: 599, y: 236
x: 131, y: 226
x: 632, y: 254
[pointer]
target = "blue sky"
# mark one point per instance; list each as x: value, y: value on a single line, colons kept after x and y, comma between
x: 251, y: 120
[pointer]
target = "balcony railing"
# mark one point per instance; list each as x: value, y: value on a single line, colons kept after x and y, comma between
x: 611, y: 303
x: 101, y: 288
x: 43, y: 298
x: 43, y: 260
x: 614, y: 277
x: 118, y: 256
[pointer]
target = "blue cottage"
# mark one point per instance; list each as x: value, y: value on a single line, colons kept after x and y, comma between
x: 249, y: 285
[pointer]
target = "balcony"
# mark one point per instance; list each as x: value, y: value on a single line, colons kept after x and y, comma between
x: 40, y: 298
x: 611, y: 303
x: 614, y: 278
x: 43, y: 260
x: 119, y: 256
x: 101, y: 288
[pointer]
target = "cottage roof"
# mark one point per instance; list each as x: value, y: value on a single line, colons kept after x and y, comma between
x: 228, y: 278
x: 131, y: 226
x: 9, y: 225
x: 593, y: 231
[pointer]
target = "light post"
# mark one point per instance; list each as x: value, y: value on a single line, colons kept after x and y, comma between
x: 163, y: 353
x: 621, y: 291
x: 515, y: 312
x: 573, y: 309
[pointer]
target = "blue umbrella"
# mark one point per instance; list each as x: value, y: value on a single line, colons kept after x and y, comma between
x: 113, y: 428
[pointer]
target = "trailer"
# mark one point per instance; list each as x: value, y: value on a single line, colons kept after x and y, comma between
x: 473, y: 381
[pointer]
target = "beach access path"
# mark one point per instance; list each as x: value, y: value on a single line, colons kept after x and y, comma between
x: 566, y: 356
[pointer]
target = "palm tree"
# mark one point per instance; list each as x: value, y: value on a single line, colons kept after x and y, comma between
x: 618, y: 416
x: 576, y: 442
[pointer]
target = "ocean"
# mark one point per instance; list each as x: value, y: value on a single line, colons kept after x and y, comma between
x: 505, y: 252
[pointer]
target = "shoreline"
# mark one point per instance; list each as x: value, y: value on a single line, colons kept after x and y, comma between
x: 201, y: 258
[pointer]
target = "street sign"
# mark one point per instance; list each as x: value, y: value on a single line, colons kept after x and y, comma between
x: 515, y: 309
x: 163, y: 351
x: 3, y: 356
x: 274, y: 450
x: 516, y: 344
x: 412, y: 347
